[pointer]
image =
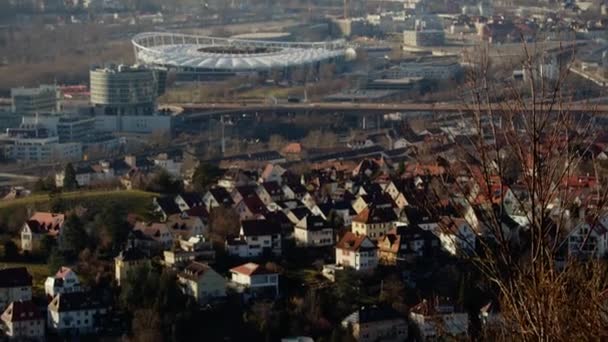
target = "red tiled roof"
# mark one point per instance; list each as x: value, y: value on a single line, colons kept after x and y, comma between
x: 351, y: 242
x: 250, y: 269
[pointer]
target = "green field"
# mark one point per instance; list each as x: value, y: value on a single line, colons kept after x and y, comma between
x: 133, y: 200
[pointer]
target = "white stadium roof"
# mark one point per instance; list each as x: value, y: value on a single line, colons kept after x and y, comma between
x: 187, y: 51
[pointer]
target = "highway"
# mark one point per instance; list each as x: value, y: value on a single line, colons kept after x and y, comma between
x: 194, y: 112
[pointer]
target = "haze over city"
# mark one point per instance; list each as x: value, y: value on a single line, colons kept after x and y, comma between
x: 303, y: 170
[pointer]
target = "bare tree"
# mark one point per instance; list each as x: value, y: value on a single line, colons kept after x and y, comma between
x: 543, y: 293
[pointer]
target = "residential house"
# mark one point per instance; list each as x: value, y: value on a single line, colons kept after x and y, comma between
x: 314, y: 231
x: 342, y: 208
x: 374, y: 222
x: 439, y: 318
x: 274, y: 189
x: 64, y: 281
x: 183, y: 226
x: 216, y: 197
x: 195, y: 248
x: 75, y: 313
x: 188, y: 200
x: 357, y: 251
x: 256, y: 278
x: 201, y: 282
x: 272, y: 173
x: 23, y: 321
x: 126, y: 261
x: 172, y: 165
x: 39, y: 225
x: 256, y: 238
x: 373, y: 323
x: 407, y: 243
x: 165, y: 206
x: 294, y: 191
x: 15, y: 285
x: 381, y: 201
x: 589, y: 239
x: 251, y: 208
x: 157, y: 231
x: 456, y: 235
x: 389, y: 247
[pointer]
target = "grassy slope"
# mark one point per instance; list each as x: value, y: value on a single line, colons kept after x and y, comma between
x: 133, y: 200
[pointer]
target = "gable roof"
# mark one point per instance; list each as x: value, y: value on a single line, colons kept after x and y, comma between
x: 195, y: 270
x: 21, y: 311
x: 354, y: 243
x: 260, y: 227
x: 44, y: 222
x: 15, y: 277
x: 375, y: 215
x: 313, y: 223
x: 167, y: 205
x: 75, y: 301
x: 192, y: 199
x: 250, y: 269
x: 221, y: 195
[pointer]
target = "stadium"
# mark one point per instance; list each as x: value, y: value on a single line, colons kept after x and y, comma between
x: 199, y: 58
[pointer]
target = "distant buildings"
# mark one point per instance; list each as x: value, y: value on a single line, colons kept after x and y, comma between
x: 43, y: 99
x: 427, y: 30
x: 124, y: 99
x: 35, y: 143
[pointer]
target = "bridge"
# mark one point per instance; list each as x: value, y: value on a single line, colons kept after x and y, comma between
x: 194, y: 112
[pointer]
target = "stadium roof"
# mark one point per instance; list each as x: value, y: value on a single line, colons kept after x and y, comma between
x: 186, y: 51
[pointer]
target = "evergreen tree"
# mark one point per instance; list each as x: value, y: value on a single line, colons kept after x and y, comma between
x: 69, y: 178
x: 205, y: 175
x: 74, y: 236
x: 55, y: 261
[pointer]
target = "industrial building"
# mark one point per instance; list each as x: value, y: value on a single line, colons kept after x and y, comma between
x: 426, y: 68
x: 44, y: 99
x: 124, y: 99
x: 427, y: 30
x: 200, y: 58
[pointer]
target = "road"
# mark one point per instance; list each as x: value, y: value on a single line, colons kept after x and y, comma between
x: 193, y: 112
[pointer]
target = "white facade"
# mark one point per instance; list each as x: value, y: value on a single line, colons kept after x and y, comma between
x: 310, y: 236
x: 41, y: 149
x: 364, y: 258
x: 77, y: 320
x: 65, y: 281
x: 586, y: 240
x: 22, y: 322
x: 246, y: 276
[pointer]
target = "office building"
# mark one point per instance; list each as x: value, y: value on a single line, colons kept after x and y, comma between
x: 44, y: 99
x: 124, y: 99
x: 34, y: 143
